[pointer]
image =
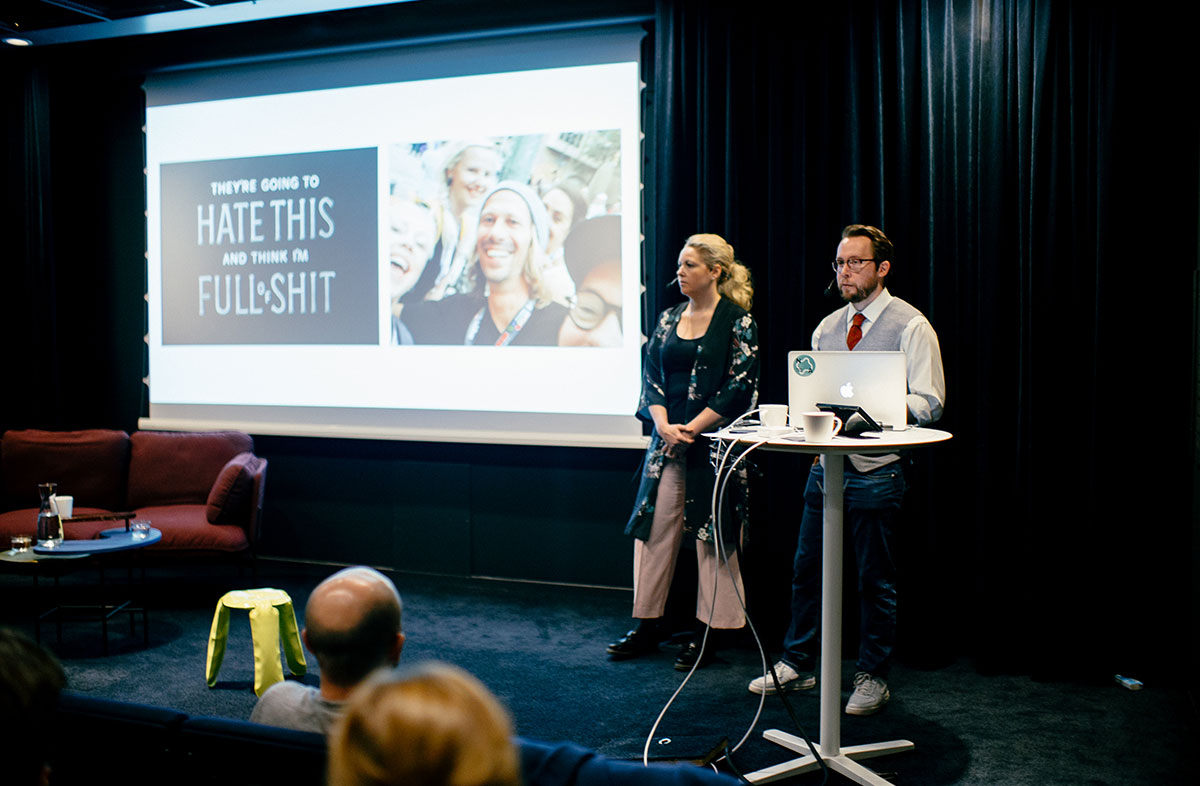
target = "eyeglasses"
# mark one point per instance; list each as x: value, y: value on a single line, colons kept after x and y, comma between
x: 590, y: 310
x: 855, y: 265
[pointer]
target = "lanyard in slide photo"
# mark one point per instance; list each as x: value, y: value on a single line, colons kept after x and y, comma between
x: 510, y: 332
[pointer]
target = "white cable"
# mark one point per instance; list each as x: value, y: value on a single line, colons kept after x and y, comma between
x: 719, y: 546
x: 724, y: 556
x: 761, y: 650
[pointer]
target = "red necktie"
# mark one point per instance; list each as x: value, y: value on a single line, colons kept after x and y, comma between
x: 855, y: 334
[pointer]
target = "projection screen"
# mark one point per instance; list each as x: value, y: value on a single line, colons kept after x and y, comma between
x: 436, y: 242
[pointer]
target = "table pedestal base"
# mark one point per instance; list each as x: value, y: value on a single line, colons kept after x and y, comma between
x: 842, y: 762
x: 838, y: 759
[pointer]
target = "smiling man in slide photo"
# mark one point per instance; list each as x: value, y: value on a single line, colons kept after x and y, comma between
x: 874, y: 485
x: 507, y: 303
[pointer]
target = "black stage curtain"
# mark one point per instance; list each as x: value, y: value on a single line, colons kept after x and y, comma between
x: 1021, y: 156
x: 72, y: 313
x: 29, y: 320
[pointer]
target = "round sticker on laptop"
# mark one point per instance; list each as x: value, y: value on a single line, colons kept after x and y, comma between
x: 804, y: 365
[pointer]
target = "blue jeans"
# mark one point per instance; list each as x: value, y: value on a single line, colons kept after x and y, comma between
x: 871, y: 510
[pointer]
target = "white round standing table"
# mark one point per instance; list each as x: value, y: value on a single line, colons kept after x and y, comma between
x: 837, y: 758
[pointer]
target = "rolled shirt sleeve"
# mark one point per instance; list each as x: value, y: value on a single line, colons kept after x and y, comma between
x: 926, y: 375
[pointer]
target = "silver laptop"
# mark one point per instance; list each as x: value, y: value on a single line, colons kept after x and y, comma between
x: 875, y: 381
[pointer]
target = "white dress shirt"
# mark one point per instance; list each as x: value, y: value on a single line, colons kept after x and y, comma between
x: 922, y: 359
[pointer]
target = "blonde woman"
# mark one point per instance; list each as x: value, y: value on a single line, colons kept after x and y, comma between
x: 701, y: 370
x: 432, y: 725
x: 469, y: 174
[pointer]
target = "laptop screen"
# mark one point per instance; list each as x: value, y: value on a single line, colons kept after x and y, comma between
x: 875, y: 381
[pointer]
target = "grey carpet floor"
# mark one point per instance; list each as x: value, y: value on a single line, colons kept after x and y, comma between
x: 540, y: 648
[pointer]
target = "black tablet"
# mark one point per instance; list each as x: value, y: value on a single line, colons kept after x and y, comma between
x: 855, y: 420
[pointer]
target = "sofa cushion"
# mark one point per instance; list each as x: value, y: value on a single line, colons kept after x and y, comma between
x: 186, y: 528
x: 17, y: 522
x: 89, y: 465
x: 179, y: 467
x: 231, y: 496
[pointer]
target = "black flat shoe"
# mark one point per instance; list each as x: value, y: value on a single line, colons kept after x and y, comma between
x: 638, y: 641
x: 687, y: 656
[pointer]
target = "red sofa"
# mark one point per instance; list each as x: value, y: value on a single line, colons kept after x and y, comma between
x: 203, y: 490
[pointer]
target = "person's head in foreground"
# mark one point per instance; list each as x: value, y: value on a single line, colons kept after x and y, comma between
x: 30, y: 681
x: 430, y: 725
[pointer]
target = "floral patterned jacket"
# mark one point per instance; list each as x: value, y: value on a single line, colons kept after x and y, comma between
x: 725, y: 379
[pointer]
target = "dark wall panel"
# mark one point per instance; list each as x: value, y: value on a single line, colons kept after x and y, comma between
x: 554, y: 523
x: 545, y: 514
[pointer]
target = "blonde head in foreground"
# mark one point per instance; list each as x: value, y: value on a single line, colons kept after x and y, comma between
x: 432, y: 725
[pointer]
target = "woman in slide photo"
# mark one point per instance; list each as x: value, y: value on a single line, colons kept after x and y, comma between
x: 469, y: 174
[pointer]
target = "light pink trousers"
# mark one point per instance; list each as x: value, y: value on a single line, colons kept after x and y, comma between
x: 654, y: 561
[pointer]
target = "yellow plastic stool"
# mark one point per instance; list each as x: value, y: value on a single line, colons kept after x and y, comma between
x: 271, y: 615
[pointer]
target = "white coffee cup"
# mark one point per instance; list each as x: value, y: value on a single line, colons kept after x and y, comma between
x: 64, y: 506
x: 820, y: 426
x: 773, y: 415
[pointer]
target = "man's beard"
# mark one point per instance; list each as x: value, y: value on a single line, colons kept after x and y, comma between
x: 857, y: 295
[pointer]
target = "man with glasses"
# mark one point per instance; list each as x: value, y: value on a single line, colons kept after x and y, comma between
x: 871, y: 320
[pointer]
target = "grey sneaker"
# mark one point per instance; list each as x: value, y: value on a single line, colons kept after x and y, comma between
x: 789, y: 680
x: 870, y: 694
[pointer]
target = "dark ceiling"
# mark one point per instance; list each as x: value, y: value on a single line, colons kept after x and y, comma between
x: 59, y: 21
x: 29, y: 16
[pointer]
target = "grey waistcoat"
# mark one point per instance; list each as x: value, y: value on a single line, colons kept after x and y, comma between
x: 884, y: 333
x: 883, y: 336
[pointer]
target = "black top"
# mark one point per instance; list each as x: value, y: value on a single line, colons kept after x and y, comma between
x: 677, y: 358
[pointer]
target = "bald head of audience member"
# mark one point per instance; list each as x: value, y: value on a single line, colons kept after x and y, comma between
x: 353, y: 627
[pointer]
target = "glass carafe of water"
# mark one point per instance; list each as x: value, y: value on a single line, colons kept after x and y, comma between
x: 49, y: 525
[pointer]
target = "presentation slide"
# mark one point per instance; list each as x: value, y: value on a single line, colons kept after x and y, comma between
x: 270, y: 260
x: 446, y: 258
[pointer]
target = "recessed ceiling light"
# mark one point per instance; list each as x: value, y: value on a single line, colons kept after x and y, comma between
x: 14, y: 41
